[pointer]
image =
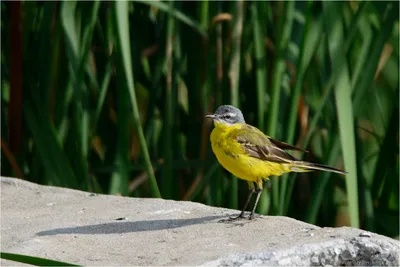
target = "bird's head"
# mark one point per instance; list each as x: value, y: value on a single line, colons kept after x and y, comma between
x: 227, y: 115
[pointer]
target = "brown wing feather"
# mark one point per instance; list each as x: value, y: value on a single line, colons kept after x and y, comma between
x: 260, y: 146
x: 286, y: 146
x: 256, y: 144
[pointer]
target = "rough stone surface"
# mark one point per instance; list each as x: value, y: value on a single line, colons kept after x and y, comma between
x: 88, y: 229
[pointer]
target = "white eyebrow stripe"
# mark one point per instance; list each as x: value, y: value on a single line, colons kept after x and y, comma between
x: 232, y: 114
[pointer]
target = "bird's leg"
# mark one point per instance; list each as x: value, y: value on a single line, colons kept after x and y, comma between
x: 259, y: 191
x: 241, y: 215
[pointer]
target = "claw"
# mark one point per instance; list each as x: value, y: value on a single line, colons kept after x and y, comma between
x: 252, y: 216
x: 241, y: 216
x: 232, y: 219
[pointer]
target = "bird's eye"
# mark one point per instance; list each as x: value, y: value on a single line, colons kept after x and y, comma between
x: 227, y: 116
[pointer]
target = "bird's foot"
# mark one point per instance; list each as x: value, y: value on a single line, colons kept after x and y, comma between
x: 251, y: 216
x: 232, y: 219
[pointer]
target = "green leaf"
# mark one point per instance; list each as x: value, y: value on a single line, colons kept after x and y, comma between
x: 48, y: 146
x: 122, y: 23
x: 283, y: 37
x: 309, y: 43
x: 344, y: 107
x: 234, y: 77
x: 33, y: 260
x: 261, y: 64
x: 177, y: 14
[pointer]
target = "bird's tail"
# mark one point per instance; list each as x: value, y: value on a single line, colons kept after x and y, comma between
x: 302, y: 166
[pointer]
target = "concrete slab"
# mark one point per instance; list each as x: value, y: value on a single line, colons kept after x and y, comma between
x: 88, y: 229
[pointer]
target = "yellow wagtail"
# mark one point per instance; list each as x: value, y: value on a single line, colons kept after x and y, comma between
x: 250, y: 155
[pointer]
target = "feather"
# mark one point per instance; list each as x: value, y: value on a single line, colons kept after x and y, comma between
x: 314, y: 166
x: 286, y: 146
x: 256, y: 144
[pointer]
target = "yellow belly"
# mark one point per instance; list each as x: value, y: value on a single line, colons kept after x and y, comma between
x: 232, y: 157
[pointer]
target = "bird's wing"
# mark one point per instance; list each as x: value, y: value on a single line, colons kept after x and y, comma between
x: 256, y: 144
x: 283, y: 145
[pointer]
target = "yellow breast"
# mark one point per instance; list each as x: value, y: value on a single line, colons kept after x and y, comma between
x: 233, y: 158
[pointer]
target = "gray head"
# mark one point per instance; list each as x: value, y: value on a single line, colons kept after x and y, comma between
x: 227, y: 114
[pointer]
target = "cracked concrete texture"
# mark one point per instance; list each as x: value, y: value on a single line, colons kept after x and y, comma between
x: 89, y: 229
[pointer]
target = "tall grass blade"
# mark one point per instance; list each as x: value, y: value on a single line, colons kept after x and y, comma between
x: 344, y: 106
x: 321, y: 183
x: 234, y: 77
x: 387, y: 161
x: 78, y: 49
x: 310, y: 38
x: 102, y: 96
x: 16, y: 88
x: 343, y: 49
x: 49, y: 149
x: 371, y: 61
x: 365, y: 29
x: 206, y: 179
x: 363, y: 81
x: 283, y: 33
x: 120, y: 177
x: 168, y: 125
x: 261, y: 64
x: 176, y: 14
x: 122, y: 23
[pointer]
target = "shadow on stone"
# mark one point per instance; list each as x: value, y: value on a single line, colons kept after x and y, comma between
x: 130, y: 226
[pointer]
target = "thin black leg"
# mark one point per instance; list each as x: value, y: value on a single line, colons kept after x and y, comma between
x: 259, y: 191
x: 241, y: 215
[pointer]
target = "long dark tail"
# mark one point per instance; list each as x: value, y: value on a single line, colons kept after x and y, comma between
x: 302, y: 166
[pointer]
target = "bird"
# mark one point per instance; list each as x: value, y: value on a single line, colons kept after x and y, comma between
x: 250, y: 155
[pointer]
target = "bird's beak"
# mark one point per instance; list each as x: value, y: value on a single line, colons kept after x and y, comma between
x: 210, y: 116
